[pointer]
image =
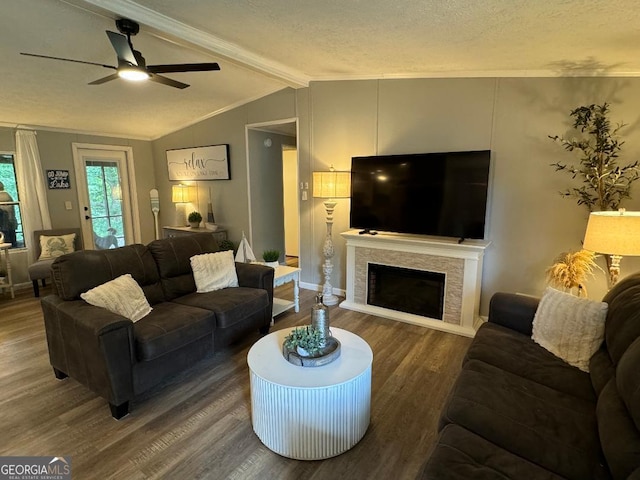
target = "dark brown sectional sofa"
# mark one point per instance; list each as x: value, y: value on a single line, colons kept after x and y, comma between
x: 119, y: 359
x: 518, y: 412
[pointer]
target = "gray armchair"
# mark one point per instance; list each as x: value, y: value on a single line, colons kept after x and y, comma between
x: 41, y: 269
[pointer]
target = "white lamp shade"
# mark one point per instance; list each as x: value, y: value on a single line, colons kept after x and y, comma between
x: 613, y: 233
x: 180, y: 194
x: 332, y: 184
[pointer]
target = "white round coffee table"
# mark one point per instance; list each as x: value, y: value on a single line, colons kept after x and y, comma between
x: 310, y: 413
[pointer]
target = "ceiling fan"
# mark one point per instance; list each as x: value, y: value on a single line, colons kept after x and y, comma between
x: 131, y: 63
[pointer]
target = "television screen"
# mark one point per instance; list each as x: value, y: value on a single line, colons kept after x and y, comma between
x: 442, y: 194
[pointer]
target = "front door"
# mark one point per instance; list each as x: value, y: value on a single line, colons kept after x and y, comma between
x: 104, y: 178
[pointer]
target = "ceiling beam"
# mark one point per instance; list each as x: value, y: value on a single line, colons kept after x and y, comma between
x: 181, y: 33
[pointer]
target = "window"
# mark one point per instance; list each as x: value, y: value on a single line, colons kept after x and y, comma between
x: 10, y: 217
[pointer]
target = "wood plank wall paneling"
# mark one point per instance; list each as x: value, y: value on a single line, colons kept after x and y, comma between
x: 198, y: 423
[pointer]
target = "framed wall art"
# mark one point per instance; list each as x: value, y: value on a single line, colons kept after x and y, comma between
x: 199, y: 163
x: 58, y: 179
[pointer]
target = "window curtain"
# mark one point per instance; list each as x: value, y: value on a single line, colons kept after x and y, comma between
x: 34, y: 207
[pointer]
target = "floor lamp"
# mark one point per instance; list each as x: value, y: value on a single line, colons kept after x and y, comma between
x: 616, y: 234
x: 330, y: 185
x: 180, y: 196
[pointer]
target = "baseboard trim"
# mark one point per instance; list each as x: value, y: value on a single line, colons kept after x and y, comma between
x: 318, y: 288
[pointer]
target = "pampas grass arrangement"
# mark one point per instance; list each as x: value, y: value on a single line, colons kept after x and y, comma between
x: 570, y: 270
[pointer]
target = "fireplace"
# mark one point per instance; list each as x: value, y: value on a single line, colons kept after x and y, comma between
x: 418, y: 292
x: 455, y: 268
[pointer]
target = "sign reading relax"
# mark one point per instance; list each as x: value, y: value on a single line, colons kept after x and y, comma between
x: 199, y: 163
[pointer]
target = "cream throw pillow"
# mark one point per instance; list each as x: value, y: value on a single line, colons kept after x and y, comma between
x: 214, y: 271
x: 121, y: 295
x: 570, y: 327
x: 54, y: 246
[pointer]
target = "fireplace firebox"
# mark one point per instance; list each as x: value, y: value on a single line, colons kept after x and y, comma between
x: 418, y: 292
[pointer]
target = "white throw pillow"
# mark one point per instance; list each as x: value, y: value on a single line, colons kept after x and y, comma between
x: 570, y: 327
x: 121, y: 295
x: 214, y: 271
x: 54, y: 246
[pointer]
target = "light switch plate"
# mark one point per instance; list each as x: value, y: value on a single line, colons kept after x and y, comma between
x: 67, y: 205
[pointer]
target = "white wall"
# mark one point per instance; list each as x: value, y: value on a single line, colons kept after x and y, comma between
x: 56, y: 154
x: 230, y: 198
x: 291, y: 194
x: 529, y: 224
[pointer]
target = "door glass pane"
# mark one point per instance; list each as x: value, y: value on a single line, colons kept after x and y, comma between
x: 105, y: 202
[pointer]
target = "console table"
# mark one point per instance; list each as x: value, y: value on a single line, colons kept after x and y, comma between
x: 310, y: 413
x: 219, y: 234
x: 4, y: 247
x: 284, y: 274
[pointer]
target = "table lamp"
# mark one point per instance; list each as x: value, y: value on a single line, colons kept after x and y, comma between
x: 180, y: 195
x: 330, y: 185
x: 616, y: 234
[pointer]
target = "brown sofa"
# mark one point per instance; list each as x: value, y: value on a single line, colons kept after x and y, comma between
x: 119, y: 359
x: 519, y: 412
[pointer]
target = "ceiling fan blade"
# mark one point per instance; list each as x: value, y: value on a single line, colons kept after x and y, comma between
x: 167, y: 81
x: 68, y: 60
x: 102, y: 80
x: 183, y: 67
x: 122, y: 47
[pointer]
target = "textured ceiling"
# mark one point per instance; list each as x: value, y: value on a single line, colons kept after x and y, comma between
x: 265, y: 45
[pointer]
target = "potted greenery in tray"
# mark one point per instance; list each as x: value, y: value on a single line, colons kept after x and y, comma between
x: 306, y: 341
x: 271, y: 257
x: 194, y: 219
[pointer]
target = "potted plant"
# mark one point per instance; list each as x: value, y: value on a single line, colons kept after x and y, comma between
x: 271, y: 257
x: 605, y: 184
x: 307, y: 341
x: 225, y: 245
x: 194, y: 219
x: 570, y: 270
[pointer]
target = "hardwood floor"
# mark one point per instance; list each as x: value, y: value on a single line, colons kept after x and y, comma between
x: 198, y: 424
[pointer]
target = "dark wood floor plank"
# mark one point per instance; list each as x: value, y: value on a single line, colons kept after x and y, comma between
x: 197, y: 424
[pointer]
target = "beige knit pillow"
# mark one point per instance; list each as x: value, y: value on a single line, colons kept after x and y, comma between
x: 570, y: 327
x: 214, y: 271
x: 122, y: 296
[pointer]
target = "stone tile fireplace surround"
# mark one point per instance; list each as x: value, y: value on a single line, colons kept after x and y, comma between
x: 460, y: 263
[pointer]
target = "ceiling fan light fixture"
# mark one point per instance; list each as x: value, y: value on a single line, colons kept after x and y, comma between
x: 132, y: 65
x: 133, y: 74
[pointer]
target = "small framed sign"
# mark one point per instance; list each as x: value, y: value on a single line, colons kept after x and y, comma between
x: 199, y: 163
x: 58, y: 179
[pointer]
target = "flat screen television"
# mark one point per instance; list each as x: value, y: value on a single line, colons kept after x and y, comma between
x: 440, y: 194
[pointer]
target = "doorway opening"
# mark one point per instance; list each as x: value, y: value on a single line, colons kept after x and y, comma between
x: 274, y: 218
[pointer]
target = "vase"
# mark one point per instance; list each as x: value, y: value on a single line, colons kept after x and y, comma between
x: 320, y: 319
x: 194, y: 224
x: 272, y: 264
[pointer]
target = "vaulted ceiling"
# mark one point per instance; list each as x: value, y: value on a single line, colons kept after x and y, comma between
x: 265, y: 45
